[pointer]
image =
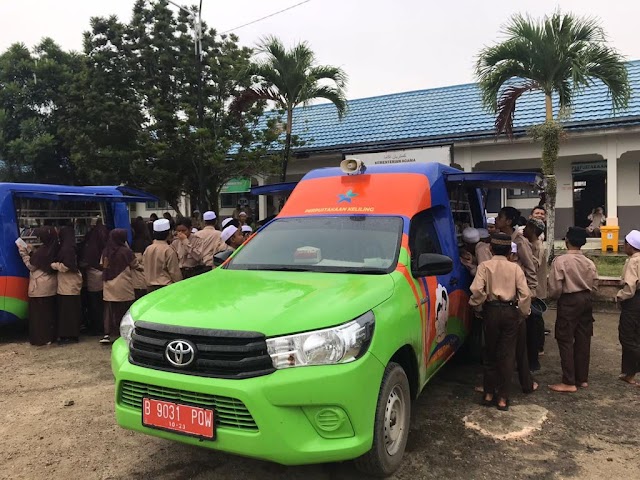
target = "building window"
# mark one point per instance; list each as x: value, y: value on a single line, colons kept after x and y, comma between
x: 159, y: 205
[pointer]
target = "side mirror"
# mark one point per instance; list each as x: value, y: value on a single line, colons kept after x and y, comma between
x: 221, y: 257
x: 430, y: 264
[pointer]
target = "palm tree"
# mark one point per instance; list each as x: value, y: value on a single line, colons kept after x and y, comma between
x: 561, y: 54
x: 290, y: 78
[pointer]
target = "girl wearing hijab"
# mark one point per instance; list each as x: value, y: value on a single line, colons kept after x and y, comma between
x: 141, y: 240
x: 42, y: 287
x: 94, y: 244
x: 69, y: 287
x: 118, y: 261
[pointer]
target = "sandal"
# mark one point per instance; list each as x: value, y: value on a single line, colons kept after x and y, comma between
x: 105, y: 340
x: 505, y: 407
x: 487, y: 402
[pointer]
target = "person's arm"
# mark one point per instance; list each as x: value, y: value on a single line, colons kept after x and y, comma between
x: 630, y: 280
x: 523, y: 292
x: 556, y: 277
x: 60, y: 267
x: 136, y: 264
x: 525, y: 255
x: 193, y: 245
x: 593, y: 272
x: 26, y: 258
x: 479, y: 288
x: 173, y: 266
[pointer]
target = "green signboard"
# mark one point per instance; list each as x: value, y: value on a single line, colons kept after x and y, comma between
x: 237, y: 185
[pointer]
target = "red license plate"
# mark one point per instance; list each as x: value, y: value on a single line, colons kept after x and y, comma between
x: 178, y: 417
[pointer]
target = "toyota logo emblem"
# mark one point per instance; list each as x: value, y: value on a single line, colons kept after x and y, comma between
x: 180, y: 353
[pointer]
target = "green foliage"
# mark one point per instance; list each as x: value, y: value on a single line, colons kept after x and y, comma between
x: 290, y: 78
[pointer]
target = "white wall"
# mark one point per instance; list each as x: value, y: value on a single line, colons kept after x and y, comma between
x: 629, y: 179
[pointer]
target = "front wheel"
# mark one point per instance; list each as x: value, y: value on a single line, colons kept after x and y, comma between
x: 391, y: 428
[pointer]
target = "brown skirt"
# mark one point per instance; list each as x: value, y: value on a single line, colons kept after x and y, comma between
x: 113, y: 313
x: 95, y: 313
x: 140, y: 292
x: 69, y: 315
x: 42, y: 320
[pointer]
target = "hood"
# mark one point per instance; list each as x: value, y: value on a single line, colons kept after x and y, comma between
x: 273, y: 303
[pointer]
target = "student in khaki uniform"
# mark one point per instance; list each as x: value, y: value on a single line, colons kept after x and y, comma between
x: 95, y: 241
x: 118, y: 261
x: 500, y: 293
x: 572, y: 279
x: 535, y: 324
x: 247, y: 231
x: 43, y: 284
x: 69, y: 288
x: 629, y: 300
x: 470, y: 238
x: 160, y: 260
x: 141, y: 240
x: 210, y: 239
x: 233, y: 237
x: 483, y: 247
x: 189, y: 249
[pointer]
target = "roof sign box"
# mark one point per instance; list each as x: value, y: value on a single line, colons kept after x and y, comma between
x: 588, y: 166
x: 237, y: 185
x: 440, y: 154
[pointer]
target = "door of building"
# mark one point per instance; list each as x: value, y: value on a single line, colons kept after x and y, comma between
x: 589, y: 190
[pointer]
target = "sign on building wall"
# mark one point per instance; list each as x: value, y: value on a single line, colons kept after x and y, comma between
x: 440, y: 154
x: 588, y: 166
x: 237, y: 185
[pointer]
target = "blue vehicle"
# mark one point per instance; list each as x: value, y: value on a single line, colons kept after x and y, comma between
x: 24, y: 207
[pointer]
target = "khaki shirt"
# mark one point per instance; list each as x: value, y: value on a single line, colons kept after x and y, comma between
x: 500, y: 280
x: 41, y: 283
x: 161, y: 264
x: 94, y: 280
x: 69, y: 283
x: 483, y: 252
x: 526, y: 260
x: 630, y: 277
x: 540, y: 253
x: 210, y: 244
x: 189, y: 251
x: 139, y: 282
x: 120, y: 289
x: 572, y: 273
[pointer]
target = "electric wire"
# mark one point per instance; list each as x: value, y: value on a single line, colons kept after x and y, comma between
x: 264, y: 18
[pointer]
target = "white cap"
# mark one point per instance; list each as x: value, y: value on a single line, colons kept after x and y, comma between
x: 228, y: 232
x: 208, y: 216
x: 470, y: 235
x: 194, y: 230
x: 242, y: 213
x: 483, y: 232
x: 514, y: 248
x: 161, y: 225
x: 633, y: 239
x: 247, y: 228
x: 491, y: 221
x: 226, y: 221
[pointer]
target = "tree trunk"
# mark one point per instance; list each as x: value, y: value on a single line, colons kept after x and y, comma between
x: 549, y: 133
x: 287, y: 145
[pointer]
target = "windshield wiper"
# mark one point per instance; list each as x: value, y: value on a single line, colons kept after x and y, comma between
x: 280, y: 268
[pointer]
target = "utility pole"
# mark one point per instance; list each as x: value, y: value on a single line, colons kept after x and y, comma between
x: 197, y: 46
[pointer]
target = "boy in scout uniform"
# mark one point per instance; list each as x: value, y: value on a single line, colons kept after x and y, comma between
x: 160, y: 260
x: 209, y: 239
x: 572, y: 279
x: 189, y: 249
x: 629, y: 300
x: 500, y: 293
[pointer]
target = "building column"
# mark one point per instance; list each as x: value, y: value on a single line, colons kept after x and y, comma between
x: 262, y: 201
x: 612, y: 181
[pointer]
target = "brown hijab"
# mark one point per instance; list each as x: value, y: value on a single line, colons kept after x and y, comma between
x: 116, y: 256
x: 46, y: 254
x: 141, y: 237
x: 94, y: 244
x: 67, y: 253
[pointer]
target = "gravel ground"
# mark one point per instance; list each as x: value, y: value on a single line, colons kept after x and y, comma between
x: 56, y: 421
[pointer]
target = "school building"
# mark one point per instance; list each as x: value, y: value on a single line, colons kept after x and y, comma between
x: 599, y: 162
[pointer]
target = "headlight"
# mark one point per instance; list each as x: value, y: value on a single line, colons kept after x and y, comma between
x: 126, y: 327
x: 341, y: 344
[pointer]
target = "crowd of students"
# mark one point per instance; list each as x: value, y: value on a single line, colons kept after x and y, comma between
x: 93, y: 283
x: 511, y: 282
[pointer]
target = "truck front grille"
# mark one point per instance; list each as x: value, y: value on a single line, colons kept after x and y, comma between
x: 217, y: 353
x: 229, y: 412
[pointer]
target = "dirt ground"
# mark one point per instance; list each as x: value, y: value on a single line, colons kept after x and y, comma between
x: 592, y: 434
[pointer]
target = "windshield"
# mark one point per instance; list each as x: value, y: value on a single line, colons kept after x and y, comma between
x: 356, y: 244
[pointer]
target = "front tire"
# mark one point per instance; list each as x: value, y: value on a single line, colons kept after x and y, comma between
x: 391, y: 427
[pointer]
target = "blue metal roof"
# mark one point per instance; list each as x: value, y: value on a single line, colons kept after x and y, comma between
x: 444, y: 115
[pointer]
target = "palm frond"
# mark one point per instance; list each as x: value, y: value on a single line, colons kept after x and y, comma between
x: 327, y: 72
x: 248, y: 97
x: 506, y: 107
x: 333, y: 94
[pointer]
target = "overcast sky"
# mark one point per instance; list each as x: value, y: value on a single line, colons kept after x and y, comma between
x: 385, y: 46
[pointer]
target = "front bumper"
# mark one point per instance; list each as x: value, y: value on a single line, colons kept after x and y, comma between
x: 290, y: 408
